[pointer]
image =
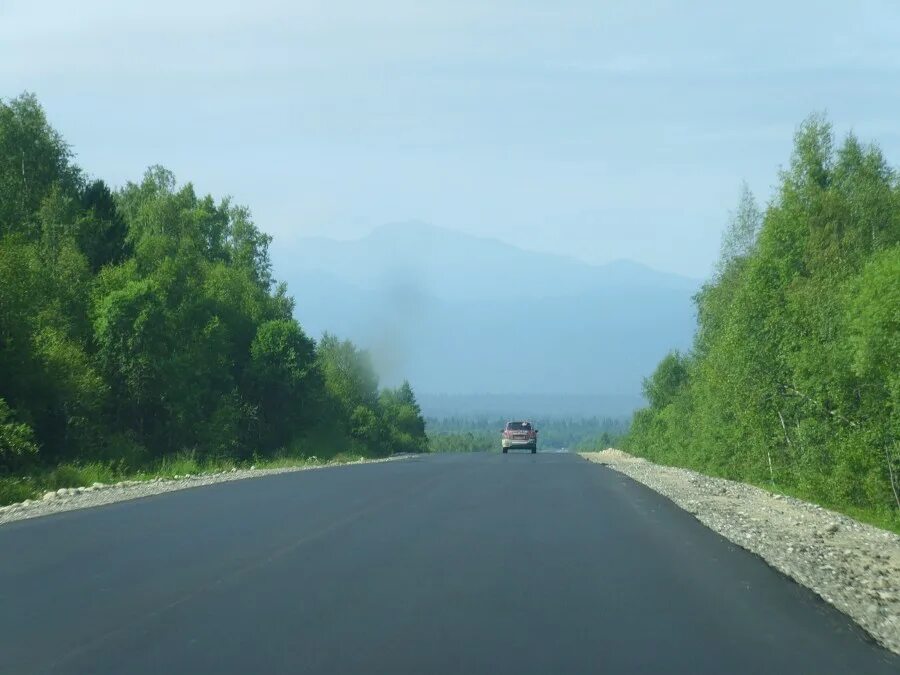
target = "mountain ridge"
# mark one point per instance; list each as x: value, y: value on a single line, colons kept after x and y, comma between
x: 463, y: 315
x: 430, y: 257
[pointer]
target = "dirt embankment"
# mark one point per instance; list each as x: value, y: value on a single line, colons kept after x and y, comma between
x: 853, y: 566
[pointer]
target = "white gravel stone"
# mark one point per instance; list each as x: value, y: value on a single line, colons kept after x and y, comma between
x: 48, y: 496
x: 796, y: 538
x: 62, y: 492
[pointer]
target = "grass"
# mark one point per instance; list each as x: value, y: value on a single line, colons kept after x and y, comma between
x: 14, y: 489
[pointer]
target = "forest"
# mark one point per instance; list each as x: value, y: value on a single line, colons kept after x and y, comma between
x: 793, y: 379
x: 461, y: 433
x: 143, y: 322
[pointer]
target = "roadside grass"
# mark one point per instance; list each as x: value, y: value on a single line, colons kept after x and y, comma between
x: 14, y: 489
x: 74, y: 475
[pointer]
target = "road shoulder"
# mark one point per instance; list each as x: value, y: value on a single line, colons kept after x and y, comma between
x: 853, y: 566
x: 84, y: 497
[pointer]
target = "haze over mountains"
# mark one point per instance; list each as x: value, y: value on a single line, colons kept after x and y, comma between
x: 463, y: 317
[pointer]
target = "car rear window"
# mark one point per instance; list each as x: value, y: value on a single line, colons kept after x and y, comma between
x: 518, y: 426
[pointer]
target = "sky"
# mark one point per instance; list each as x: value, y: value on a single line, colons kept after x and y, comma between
x: 596, y: 129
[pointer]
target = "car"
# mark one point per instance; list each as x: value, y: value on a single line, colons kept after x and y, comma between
x: 519, y: 435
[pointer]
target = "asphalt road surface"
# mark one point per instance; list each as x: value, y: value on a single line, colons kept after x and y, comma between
x: 443, y: 564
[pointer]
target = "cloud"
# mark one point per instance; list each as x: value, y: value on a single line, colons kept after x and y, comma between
x: 498, y: 117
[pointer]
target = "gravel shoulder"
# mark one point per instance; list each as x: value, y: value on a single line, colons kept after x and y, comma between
x: 99, y: 494
x: 851, y: 565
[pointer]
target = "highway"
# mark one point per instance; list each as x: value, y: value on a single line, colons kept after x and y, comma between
x: 478, y: 563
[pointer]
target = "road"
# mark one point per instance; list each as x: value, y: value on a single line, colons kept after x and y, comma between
x: 440, y: 564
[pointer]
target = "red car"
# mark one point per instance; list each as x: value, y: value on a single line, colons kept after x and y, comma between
x: 519, y: 435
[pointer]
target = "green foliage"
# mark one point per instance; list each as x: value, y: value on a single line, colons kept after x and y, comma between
x: 375, y: 423
x: 403, y: 419
x: 16, y: 438
x: 142, y: 324
x: 667, y: 381
x: 348, y: 371
x: 34, y: 160
x: 874, y: 319
x: 739, y: 240
x: 287, y: 384
x: 14, y: 490
x: 794, y: 378
x: 101, y: 231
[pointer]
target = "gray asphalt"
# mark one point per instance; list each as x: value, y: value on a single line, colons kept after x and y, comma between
x: 443, y: 564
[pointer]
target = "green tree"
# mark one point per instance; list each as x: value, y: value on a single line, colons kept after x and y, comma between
x: 404, y: 420
x: 670, y: 376
x: 287, y: 381
x: 16, y: 438
x: 101, y: 230
x: 33, y: 159
x: 792, y: 379
x: 145, y: 321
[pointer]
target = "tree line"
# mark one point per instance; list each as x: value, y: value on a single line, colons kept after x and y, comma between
x: 793, y: 379
x: 140, y: 321
x: 482, y: 434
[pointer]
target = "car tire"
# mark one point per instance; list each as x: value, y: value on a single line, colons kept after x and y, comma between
x: 534, y: 450
x: 504, y: 450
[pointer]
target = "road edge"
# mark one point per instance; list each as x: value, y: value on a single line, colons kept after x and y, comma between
x: 853, y: 566
x: 86, y: 497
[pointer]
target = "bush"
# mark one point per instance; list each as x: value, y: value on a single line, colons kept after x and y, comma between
x: 14, y: 490
x: 16, y: 438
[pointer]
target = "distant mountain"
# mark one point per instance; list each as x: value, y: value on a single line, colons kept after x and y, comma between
x: 535, y: 406
x: 461, y: 315
x: 451, y: 265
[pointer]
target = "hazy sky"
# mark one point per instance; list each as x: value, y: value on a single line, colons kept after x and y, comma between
x: 600, y: 129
